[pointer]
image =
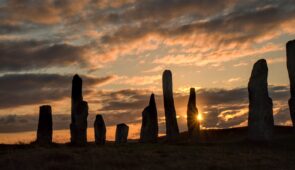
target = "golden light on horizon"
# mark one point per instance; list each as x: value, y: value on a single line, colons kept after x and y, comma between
x: 200, y: 117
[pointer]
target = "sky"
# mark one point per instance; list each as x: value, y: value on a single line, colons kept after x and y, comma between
x: 121, y: 47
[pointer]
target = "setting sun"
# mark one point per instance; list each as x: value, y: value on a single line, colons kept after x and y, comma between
x: 200, y: 117
x: 147, y: 84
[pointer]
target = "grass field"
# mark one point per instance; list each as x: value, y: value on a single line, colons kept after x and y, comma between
x: 219, y: 149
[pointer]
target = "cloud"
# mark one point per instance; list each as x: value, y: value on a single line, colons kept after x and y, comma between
x: 41, y: 12
x: 232, y: 80
x: 233, y: 20
x: 219, y: 54
x: 154, y: 69
x: 30, y: 55
x: 22, y: 123
x: 221, y: 108
x: 140, y: 80
x: 201, y: 32
x: 28, y: 89
x: 7, y: 28
x: 241, y: 29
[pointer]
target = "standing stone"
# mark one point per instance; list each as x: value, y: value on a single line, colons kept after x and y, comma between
x: 291, y: 70
x: 44, y: 132
x: 192, y: 115
x: 79, y: 114
x: 121, y: 133
x: 172, y: 130
x: 260, y: 120
x: 149, y: 126
x: 99, y: 130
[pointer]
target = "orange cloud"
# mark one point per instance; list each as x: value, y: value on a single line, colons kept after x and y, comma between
x: 42, y: 12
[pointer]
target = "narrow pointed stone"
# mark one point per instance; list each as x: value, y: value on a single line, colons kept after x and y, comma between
x: 99, y: 130
x: 44, y: 132
x: 79, y: 114
x: 192, y: 115
x: 149, y: 126
x: 260, y: 120
x: 172, y: 130
x: 290, y: 48
x: 121, y: 133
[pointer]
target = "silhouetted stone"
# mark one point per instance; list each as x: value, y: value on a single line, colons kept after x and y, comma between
x: 79, y: 125
x: 260, y: 120
x: 121, y: 133
x: 99, y: 130
x: 290, y: 48
x: 192, y: 114
x: 79, y: 114
x: 149, y: 126
x: 44, y: 132
x: 172, y: 130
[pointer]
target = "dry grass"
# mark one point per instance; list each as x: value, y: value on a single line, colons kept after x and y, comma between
x: 225, y: 149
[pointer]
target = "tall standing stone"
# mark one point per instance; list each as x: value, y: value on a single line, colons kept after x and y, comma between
x: 79, y: 114
x: 99, y: 130
x: 290, y: 48
x: 172, y: 130
x: 192, y: 114
x: 44, y: 132
x: 149, y: 126
x: 260, y: 120
x: 121, y: 133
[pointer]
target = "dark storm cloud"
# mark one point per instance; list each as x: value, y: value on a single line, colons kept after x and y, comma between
x: 26, y: 89
x: 30, y: 55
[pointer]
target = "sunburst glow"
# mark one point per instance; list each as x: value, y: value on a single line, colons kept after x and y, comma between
x: 200, y: 117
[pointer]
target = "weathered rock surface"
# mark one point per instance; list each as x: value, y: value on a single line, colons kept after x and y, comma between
x: 44, y: 132
x: 79, y: 114
x: 290, y: 48
x: 99, y: 130
x: 192, y: 114
x: 172, y: 130
x: 149, y: 126
x: 121, y: 133
x: 260, y: 120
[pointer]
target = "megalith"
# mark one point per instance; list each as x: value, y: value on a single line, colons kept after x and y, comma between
x: 290, y: 48
x: 192, y: 115
x: 79, y: 114
x: 149, y: 126
x: 121, y: 133
x: 99, y: 130
x: 260, y: 118
x: 172, y: 131
x: 44, y: 131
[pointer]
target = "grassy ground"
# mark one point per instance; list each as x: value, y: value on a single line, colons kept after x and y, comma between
x: 225, y: 149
